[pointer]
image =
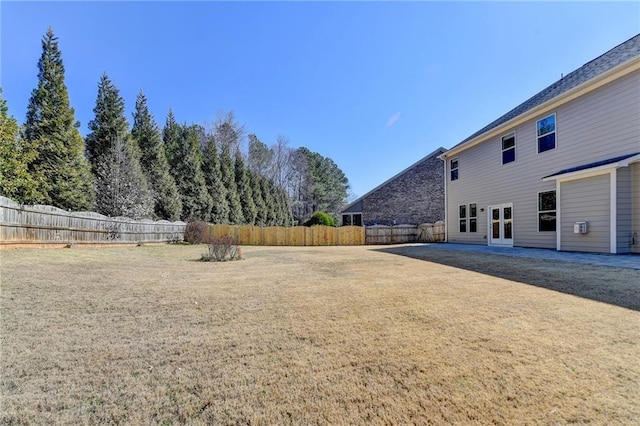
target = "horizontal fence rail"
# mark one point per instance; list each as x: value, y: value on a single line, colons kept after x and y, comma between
x: 290, y: 236
x: 36, y: 224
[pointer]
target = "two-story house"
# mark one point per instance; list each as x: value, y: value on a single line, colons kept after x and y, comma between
x: 561, y: 170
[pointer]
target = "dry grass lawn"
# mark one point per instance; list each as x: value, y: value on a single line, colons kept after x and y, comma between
x: 333, y: 335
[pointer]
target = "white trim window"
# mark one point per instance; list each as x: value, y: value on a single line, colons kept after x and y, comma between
x: 546, y: 133
x: 473, y: 217
x: 468, y: 217
x: 462, y: 217
x: 454, y: 168
x: 547, y: 211
x: 509, y: 148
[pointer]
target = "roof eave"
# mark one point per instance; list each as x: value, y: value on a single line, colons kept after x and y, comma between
x: 580, y: 90
x: 593, y: 171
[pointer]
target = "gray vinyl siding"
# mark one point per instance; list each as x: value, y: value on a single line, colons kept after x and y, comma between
x: 624, y: 203
x: 635, y: 190
x: 596, y: 126
x: 586, y: 200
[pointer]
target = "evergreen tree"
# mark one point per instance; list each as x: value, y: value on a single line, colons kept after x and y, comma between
x: 15, y: 181
x: 171, y: 136
x: 245, y: 192
x: 322, y: 185
x: 187, y: 170
x: 109, y: 124
x: 145, y: 132
x: 258, y: 199
x: 118, y: 176
x: 271, y: 217
x: 229, y: 181
x: 52, y: 142
x: 286, y: 217
x: 109, y: 145
x: 213, y: 178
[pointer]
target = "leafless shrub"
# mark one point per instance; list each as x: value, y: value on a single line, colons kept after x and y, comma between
x: 195, y: 232
x: 220, y: 249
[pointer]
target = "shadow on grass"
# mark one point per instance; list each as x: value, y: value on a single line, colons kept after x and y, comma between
x: 616, y: 286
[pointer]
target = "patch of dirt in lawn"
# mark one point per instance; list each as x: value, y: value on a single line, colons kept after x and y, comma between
x: 306, y: 335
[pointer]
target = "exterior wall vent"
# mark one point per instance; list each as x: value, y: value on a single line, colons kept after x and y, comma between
x: 580, y: 228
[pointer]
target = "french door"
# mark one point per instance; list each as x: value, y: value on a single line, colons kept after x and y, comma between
x: 501, y: 225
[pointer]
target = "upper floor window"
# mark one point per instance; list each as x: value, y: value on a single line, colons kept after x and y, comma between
x: 454, y: 169
x: 509, y: 148
x: 546, y: 129
x: 547, y: 211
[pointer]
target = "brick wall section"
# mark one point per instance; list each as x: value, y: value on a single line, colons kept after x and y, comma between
x: 416, y: 196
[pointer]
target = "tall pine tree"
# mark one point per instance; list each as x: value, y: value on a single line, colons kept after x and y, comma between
x: 245, y: 192
x: 229, y: 181
x: 268, y: 195
x: 186, y: 168
x: 15, y: 181
x: 121, y: 185
x: 118, y: 183
x: 213, y: 178
x: 51, y: 136
x: 153, y: 159
x: 258, y: 199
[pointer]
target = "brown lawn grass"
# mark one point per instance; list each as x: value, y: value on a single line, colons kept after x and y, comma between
x: 332, y: 335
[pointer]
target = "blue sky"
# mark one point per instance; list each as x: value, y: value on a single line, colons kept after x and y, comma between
x: 373, y: 85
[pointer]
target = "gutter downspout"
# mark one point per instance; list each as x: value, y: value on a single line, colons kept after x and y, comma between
x: 444, y: 175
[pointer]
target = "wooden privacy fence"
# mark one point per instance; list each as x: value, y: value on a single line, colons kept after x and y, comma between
x: 291, y: 236
x: 329, y: 236
x: 23, y: 224
x: 397, y: 234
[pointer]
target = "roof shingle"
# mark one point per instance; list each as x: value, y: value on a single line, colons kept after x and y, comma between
x: 614, y: 57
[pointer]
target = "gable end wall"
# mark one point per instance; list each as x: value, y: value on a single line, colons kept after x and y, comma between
x: 414, y: 197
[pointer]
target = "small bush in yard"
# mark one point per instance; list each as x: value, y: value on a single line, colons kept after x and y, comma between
x: 321, y: 218
x: 220, y: 249
x: 195, y: 232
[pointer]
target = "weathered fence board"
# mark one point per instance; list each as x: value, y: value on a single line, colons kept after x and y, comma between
x: 426, y: 232
x: 36, y: 224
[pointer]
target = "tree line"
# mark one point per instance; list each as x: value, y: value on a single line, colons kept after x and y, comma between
x: 178, y: 172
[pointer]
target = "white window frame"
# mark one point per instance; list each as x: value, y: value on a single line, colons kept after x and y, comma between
x: 503, y: 150
x: 464, y: 219
x: 546, y: 211
x: 555, y: 130
x: 469, y: 217
x: 457, y: 169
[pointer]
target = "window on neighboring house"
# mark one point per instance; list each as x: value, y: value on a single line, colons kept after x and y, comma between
x: 454, y: 169
x: 473, y: 217
x: 547, y: 211
x: 462, y: 215
x: 509, y: 148
x: 546, y: 129
x: 352, y: 219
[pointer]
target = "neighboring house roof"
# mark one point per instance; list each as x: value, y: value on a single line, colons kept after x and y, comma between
x: 358, y: 200
x: 609, y: 60
x: 593, y: 165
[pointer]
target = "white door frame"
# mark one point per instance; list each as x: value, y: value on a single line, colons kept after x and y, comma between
x: 501, y: 240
